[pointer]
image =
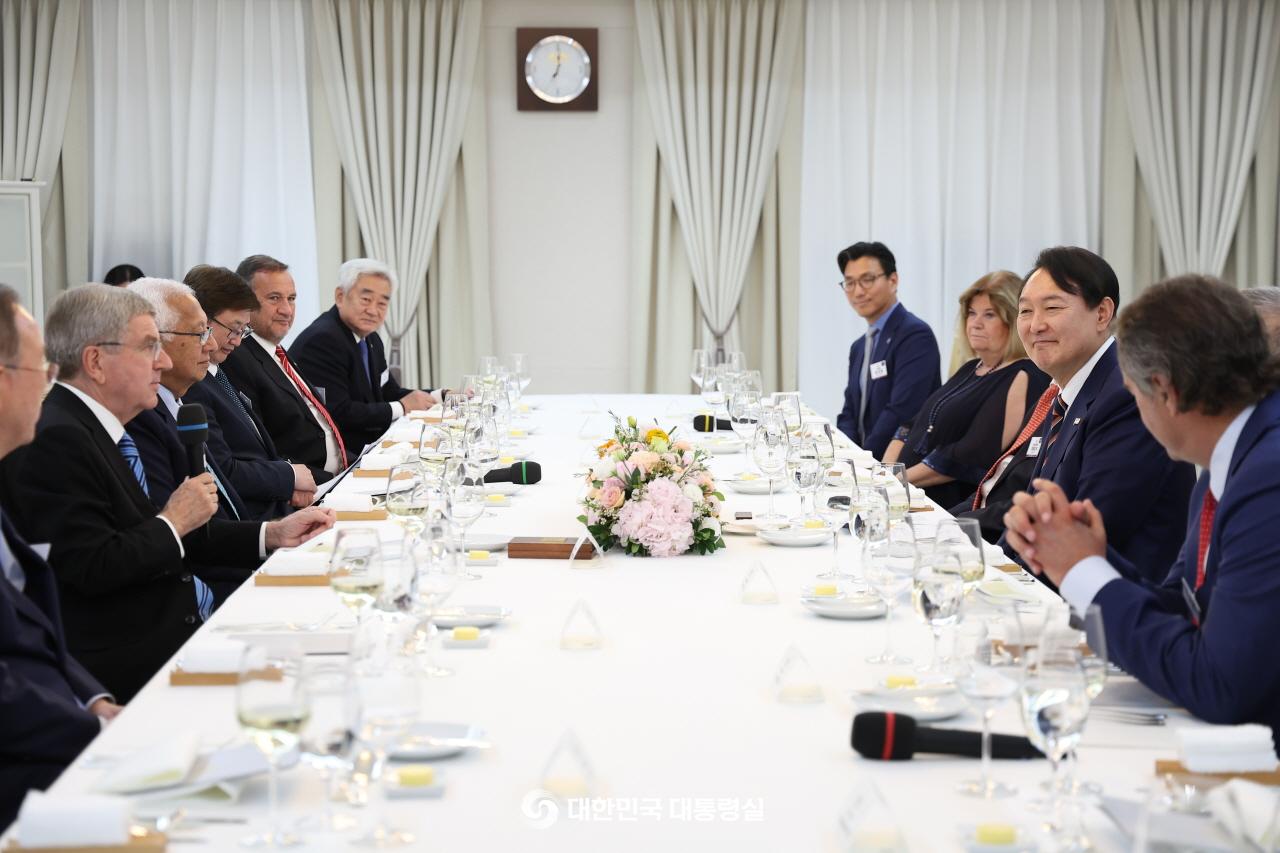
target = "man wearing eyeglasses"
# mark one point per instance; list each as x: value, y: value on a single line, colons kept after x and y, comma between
x: 238, y: 440
x: 895, y: 365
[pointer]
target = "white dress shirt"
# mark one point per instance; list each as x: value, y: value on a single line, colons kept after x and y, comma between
x: 332, y: 463
x: 1087, y: 577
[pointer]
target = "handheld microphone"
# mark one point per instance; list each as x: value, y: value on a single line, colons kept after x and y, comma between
x: 710, y: 423
x: 885, y: 736
x: 521, y: 473
x: 193, y: 432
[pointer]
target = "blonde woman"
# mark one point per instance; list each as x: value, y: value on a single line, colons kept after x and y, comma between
x: 966, y: 424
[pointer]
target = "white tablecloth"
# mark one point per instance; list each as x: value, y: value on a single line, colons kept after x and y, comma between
x: 675, y: 712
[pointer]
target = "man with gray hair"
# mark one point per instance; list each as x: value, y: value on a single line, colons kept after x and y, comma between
x: 341, y: 353
x: 1266, y: 301
x: 129, y: 596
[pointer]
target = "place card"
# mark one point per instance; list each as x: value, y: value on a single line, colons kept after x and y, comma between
x: 354, y: 515
x: 178, y: 677
x: 1269, y: 777
x: 264, y: 579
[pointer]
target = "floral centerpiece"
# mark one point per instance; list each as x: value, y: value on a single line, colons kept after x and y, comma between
x: 650, y: 495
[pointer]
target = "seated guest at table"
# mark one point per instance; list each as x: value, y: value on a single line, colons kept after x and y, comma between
x: 238, y: 441
x: 966, y: 424
x: 128, y: 597
x: 1196, y: 360
x: 341, y: 352
x: 122, y: 274
x: 1266, y: 301
x: 895, y: 365
x: 1090, y: 439
x: 50, y: 706
x: 299, y: 424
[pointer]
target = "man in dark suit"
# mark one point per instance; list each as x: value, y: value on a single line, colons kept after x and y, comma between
x: 1197, y: 361
x: 341, y: 352
x: 894, y: 366
x: 290, y: 408
x: 128, y: 596
x: 238, y: 440
x: 1093, y: 443
x: 50, y: 706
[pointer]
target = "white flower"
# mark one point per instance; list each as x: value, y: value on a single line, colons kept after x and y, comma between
x: 711, y: 524
x: 693, y: 492
x: 604, y: 469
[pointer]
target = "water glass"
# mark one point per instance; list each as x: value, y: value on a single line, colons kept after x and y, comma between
x: 889, y: 568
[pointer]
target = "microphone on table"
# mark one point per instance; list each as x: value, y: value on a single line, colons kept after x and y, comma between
x: 710, y: 423
x: 885, y: 736
x: 521, y: 473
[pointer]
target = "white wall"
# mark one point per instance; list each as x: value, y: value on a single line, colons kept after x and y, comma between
x: 560, y: 204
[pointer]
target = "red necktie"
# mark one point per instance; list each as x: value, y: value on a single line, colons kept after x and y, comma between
x: 1207, y: 512
x: 306, y: 392
x: 1038, y: 414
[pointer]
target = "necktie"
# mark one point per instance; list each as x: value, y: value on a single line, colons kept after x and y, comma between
x: 222, y: 490
x: 364, y: 359
x: 9, y: 566
x: 868, y: 344
x: 1207, y: 511
x: 129, y: 450
x: 1055, y: 424
x: 311, y: 398
x: 1047, y: 400
x: 227, y: 388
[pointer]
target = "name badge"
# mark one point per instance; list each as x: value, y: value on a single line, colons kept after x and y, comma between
x: 1193, y: 606
x: 879, y: 370
x: 1033, y: 446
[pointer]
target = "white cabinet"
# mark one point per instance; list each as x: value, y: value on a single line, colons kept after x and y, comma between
x: 20, y: 242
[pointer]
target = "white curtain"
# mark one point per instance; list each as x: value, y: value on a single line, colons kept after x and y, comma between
x: 398, y: 77
x: 201, y: 150
x: 1197, y: 75
x: 964, y: 134
x: 718, y: 76
x: 37, y: 63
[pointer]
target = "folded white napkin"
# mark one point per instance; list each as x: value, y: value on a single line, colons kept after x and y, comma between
x: 404, y: 430
x: 855, y: 454
x: 994, y: 555
x: 295, y: 563
x: 405, y: 449
x: 1248, y: 811
x: 84, y: 820
x: 212, y: 654
x: 348, y: 502
x: 160, y: 765
x: 380, y: 461
x: 1227, y: 749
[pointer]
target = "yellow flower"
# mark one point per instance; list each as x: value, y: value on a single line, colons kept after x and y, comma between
x: 656, y: 433
x: 606, y: 447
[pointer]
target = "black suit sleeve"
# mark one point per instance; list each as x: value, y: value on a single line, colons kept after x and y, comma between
x: 325, y: 364
x: 39, y: 723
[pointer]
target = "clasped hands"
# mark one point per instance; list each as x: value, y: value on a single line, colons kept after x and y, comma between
x: 1051, y: 533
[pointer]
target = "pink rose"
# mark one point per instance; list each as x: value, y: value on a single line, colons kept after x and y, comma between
x: 645, y: 460
x: 610, y: 495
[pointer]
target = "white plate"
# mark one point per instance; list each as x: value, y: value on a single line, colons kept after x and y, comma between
x: 475, y: 615
x: 924, y: 708
x: 1025, y: 841
x: 512, y: 455
x: 722, y: 446
x: 796, y: 538
x: 925, y: 686
x: 1000, y: 589
x: 431, y: 741
x: 755, y: 487
x: 856, y: 607
x: 503, y: 488
x: 486, y: 541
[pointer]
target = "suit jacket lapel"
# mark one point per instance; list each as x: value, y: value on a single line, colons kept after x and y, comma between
x: 1079, y: 410
x: 109, y: 452
x: 37, y: 584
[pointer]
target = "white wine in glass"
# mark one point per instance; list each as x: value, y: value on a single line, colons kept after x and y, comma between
x: 356, y: 572
x: 272, y: 706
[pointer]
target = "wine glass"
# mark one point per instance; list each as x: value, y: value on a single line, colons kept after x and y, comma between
x: 735, y: 360
x: 482, y: 446
x: 893, y: 476
x: 470, y: 386
x: 712, y: 392
x: 804, y: 469
x: 751, y: 380
x: 384, y: 700
x: 866, y: 508
x: 744, y: 415
x: 407, y: 495
x: 520, y: 369
x: 435, y: 560
x: 963, y: 537
x: 889, y: 568
x: 698, y: 369
x: 489, y: 365
x: 987, y: 674
x: 788, y: 402
x: 1093, y: 659
x: 836, y: 514
x: 466, y: 501
x: 273, y: 706
x: 356, y: 571
x: 769, y: 448
x: 937, y: 592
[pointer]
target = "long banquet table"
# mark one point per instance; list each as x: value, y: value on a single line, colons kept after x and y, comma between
x: 676, y: 711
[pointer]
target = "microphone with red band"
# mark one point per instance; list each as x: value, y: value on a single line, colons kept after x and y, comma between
x: 885, y: 736
x: 522, y: 473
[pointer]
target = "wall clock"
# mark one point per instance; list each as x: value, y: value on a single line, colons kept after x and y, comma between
x: 557, y: 69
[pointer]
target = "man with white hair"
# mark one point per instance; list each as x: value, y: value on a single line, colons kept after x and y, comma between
x: 341, y: 353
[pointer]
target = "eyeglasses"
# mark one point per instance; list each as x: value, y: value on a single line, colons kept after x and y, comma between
x: 865, y: 282
x: 235, y: 333
x: 203, y: 336
x: 152, y: 347
x: 49, y: 370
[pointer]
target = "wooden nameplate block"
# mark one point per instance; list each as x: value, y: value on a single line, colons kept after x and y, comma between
x: 264, y: 579
x: 548, y: 548
x: 380, y: 473
x: 1009, y: 568
x: 920, y: 509
x: 179, y: 677
x: 426, y: 419
x: 362, y: 515
x: 140, y: 839
x: 1175, y: 768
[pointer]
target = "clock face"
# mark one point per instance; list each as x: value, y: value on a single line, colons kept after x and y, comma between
x: 557, y: 69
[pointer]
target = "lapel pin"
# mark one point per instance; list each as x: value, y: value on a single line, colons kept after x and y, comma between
x: 1076, y: 422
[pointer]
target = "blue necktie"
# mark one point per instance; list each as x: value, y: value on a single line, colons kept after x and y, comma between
x: 222, y: 490
x: 227, y: 388
x: 364, y: 357
x: 9, y: 566
x: 129, y: 450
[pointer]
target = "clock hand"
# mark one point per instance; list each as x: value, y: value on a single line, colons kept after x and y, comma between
x: 556, y: 73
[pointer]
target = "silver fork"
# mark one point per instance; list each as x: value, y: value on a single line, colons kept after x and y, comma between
x: 1132, y: 716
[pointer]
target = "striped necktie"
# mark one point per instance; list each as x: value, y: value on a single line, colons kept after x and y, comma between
x: 129, y: 450
x: 1055, y: 424
x: 311, y: 398
x: 1048, y: 400
x: 220, y: 378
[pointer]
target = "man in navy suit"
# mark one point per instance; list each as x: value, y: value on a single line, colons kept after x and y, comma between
x: 238, y: 440
x: 341, y: 353
x: 1093, y: 443
x: 1196, y: 359
x: 894, y: 366
x: 50, y: 706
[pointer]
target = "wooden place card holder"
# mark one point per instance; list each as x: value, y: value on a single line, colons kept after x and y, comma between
x: 358, y: 515
x: 141, y: 841
x: 548, y: 548
x: 1175, y: 768
x: 264, y: 579
x: 178, y: 677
